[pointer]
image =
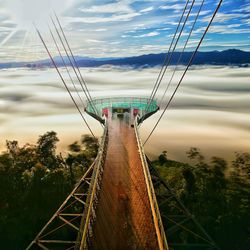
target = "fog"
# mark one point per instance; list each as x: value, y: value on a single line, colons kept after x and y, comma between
x: 211, y: 109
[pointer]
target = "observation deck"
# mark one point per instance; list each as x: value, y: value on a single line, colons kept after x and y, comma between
x: 142, y: 107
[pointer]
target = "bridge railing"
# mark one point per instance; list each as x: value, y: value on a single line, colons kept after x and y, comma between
x: 122, y: 102
x: 160, y: 232
x: 89, y: 216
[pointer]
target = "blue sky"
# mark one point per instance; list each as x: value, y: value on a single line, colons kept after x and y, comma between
x: 118, y: 28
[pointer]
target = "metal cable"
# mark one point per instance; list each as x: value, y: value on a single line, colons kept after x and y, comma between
x: 65, y: 66
x: 189, y: 63
x: 52, y: 60
x: 71, y: 63
x: 73, y: 57
x: 180, y: 57
x: 167, y: 56
x: 171, y: 55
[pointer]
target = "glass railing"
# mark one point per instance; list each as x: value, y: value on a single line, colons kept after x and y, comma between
x: 140, y: 103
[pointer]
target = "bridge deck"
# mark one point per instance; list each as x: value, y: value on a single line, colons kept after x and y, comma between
x: 124, y: 218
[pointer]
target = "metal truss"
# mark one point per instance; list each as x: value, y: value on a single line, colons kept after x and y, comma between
x: 61, y: 230
x: 72, y: 222
x: 182, y: 229
x: 89, y: 216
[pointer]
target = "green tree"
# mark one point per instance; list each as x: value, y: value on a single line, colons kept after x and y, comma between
x: 90, y: 145
x: 195, y: 154
x: 163, y: 157
x: 34, y: 180
x: 46, y: 149
x: 219, y: 200
x: 241, y: 164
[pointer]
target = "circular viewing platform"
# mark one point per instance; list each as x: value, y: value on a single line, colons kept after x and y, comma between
x: 138, y: 105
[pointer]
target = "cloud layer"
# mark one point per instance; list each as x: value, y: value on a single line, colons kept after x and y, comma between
x: 211, y: 109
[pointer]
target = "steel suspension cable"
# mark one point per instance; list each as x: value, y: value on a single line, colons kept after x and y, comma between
x: 65, y: 66
x: 171, y: 55
x: 59, y: 73
x: 189, y: 63
x: 71, y: 63
x: 72, y: 55
x: 167, y: 55
x: 182, y: 52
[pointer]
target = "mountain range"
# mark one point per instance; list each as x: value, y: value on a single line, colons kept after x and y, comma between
x: 226, y: 57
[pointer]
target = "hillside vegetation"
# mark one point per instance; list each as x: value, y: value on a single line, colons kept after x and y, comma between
x: 34, y: 180
x: 217, y: 193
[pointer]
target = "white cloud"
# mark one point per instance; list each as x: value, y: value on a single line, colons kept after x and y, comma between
x: 117, y: 7
x: 224, y: 17
x: 172, y: 6
x: 100, y: 30
x: 147, y: 9
x: 210, y: 110
x: 245, y: 8
x: 94, y: 41
x: 154, y: 33
x: 162, y: 29
x: 114, y: 18
x: 230, y: 29
x: 150, y: 34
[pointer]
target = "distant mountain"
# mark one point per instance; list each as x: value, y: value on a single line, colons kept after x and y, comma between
x: 226, y: 57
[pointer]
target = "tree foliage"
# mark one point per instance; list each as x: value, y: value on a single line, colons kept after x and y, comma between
x: 216, y: 192
x: 34, y: 180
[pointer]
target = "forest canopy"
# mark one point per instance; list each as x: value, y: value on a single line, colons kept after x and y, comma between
x: 35, y: 179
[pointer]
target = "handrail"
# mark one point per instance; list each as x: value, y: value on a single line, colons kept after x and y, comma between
x: 89, y: 214
x: 143, y: 100
x: 160, y: 232
x: 131, y: 102
x: 121, y: 97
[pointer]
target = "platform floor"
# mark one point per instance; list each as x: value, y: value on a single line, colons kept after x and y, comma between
x: 124, y: 219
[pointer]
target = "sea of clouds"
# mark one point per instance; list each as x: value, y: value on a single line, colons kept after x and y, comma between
x: 211, y: 109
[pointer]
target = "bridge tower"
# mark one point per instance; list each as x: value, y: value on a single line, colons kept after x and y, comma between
x: 114, y: 205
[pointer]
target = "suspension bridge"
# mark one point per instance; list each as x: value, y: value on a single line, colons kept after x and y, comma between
x: 121, y: 201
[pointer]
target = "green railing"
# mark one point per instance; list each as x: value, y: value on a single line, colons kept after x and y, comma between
x: 140, y: 103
